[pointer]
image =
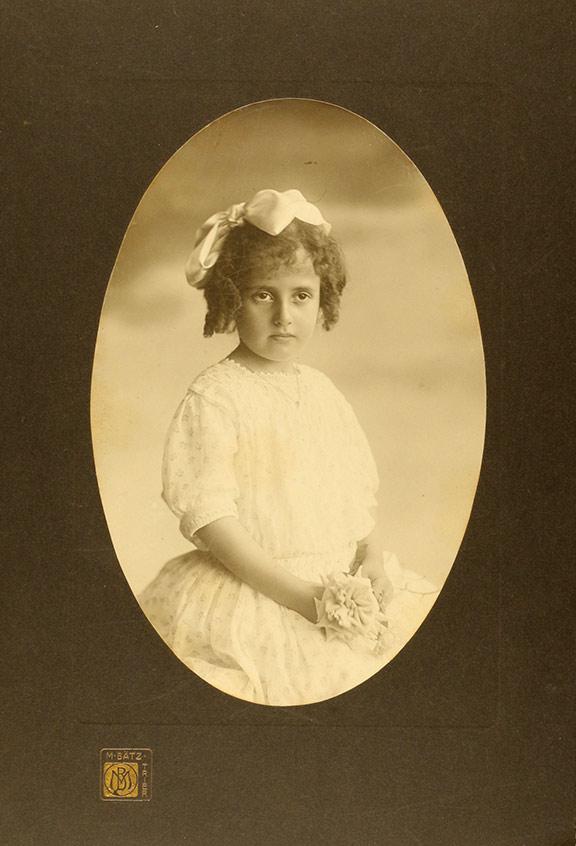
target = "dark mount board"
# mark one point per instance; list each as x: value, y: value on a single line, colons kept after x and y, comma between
x: 466, y: 737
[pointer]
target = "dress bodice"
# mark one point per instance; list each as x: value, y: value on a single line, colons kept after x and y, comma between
x: 284, y: 453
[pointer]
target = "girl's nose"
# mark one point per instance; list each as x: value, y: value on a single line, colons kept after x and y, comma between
x: 283, y: 316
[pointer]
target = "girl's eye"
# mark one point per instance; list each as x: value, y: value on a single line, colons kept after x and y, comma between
x: 267, y: 297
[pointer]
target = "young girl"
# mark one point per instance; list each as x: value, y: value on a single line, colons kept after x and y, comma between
x: 270, y: 475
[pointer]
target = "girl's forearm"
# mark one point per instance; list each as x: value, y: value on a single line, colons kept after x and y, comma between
x: 231, y: 544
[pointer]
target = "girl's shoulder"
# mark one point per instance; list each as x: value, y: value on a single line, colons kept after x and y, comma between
x: 217, y: 384
x: 215, y: 374
x: 320, y: 381
x: 327, y: 393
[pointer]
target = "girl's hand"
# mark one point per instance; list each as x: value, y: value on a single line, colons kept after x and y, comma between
x: 372, y: 568
x: 306, y: 605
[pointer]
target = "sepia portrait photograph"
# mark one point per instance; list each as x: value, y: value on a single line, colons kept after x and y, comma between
x: 288, y: 509
x: 288, y: 401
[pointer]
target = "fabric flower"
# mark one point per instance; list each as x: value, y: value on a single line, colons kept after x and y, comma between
x: 349, y: 611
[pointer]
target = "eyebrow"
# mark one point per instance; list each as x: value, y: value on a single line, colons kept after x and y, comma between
x: 308, y: 288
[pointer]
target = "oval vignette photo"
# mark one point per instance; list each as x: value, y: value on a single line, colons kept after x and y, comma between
x: 288, y: 401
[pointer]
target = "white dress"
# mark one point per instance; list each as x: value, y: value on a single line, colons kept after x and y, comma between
x: 285, y: 455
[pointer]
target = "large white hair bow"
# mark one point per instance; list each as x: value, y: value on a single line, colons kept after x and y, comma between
x: 269, y: 210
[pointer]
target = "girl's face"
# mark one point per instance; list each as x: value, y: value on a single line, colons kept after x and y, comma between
x: 278, y: 315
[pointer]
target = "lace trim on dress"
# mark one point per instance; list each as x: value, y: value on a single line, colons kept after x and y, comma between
x: 288, y: 382
x: 265, y: 373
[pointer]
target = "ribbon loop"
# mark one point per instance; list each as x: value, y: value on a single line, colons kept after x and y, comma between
x: 269, y: 210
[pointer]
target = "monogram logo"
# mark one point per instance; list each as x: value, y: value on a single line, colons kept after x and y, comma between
x: 121, y: 780
x: 125, y: 774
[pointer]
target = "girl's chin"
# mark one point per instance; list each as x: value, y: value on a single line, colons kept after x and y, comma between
x: 278, y: 358
x: 279, y: 355
x: 286, y: 354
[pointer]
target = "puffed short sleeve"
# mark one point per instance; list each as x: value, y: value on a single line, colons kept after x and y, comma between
x: 198, y: 475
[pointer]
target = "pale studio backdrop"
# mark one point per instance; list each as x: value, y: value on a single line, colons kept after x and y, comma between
x: 406, y: 352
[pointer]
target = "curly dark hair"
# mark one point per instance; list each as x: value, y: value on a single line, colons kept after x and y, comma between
x: 248, y: 251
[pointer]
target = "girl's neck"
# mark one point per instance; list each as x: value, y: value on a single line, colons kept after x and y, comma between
x: 244, y: 356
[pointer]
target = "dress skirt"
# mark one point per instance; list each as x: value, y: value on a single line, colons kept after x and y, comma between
x: 245, y: 644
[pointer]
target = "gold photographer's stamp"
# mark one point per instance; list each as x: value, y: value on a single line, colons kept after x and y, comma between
x: 125, y: 774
